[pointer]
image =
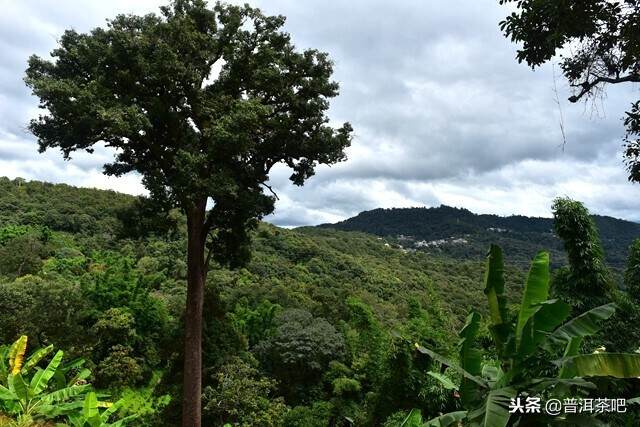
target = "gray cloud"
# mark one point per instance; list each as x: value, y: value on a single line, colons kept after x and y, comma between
x: 442, y: 112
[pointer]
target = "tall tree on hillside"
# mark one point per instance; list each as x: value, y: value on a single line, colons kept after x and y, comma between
x: 632, y: 272
x: 585, y: 283
x: 202, y: 103
x: 598, y: 42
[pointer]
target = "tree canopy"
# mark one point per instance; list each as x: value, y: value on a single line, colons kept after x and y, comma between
x: 202, y: 103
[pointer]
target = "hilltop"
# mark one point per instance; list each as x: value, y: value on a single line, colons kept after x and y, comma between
x: 462, y: 234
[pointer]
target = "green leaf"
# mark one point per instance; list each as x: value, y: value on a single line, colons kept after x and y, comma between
x: 18, y: 386
x: 41, y: 378
x: 494, y: 290
x: 444, y: 380
x: 90, y: 407
x: 82, y: 375
x: 414, y: 419
x: 124, y: 421
x: 36, y: 357
x: 6, y: 394
x: 111, y: 410
x: 470, y: 358
x: 66, y: 393
x: 536, y: 291
x: 548, y: 315
x: 541, y: 384
x: 454, y: 366
x: 495, y: 409
x: 583, y: 325
x: 582, y: 420
x: 617, y: 365
x: 491, y: 373
x: 445, y: 420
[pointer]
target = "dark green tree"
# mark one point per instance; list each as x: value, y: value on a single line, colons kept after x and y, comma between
x: 586, y: 282
x: 600, y: 43
x: 202, y: 103
x: 299, y: 351
x: 632, y: 272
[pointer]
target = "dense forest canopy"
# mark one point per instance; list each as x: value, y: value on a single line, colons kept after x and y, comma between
x: 318, y: 328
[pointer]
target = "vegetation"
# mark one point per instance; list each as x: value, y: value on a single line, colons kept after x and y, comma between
x: 459, y: 233
x: 526, y: 346
x: 29, y: 392
x: 145, y: 86
x: 317, y: 329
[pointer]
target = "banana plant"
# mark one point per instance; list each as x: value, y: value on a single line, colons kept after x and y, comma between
x: 26, y: 391
x: 90, y: 415
x: 486, y: 390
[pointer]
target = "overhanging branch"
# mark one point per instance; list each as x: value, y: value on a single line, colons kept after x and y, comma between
x: 588, y: 85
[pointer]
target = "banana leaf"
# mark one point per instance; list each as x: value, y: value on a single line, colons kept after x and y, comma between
x: 41, y: 378
x: 444, y: 380
x: 414, y: 419
x: 470, y: 359
x: 494, y: 290
x: 446, y: 420
x: 18, y: 386
x: 36, y: 357
x: 584, y: 325
x: 494, y: 411
x: 536, y: 291
x: 548, y: 315
x: 6, y: 394
x: 617, y: 365
x: 66, y: 393
x: 16, y: 354
x: 454, y: 366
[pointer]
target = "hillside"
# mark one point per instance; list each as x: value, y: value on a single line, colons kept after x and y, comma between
x: 462, y: 234
x: 102, y: 276
x: 318, y: 326
x: 308, y: 263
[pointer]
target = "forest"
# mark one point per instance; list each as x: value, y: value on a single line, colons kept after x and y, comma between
x: 183, y: 305
x: 319, y: 328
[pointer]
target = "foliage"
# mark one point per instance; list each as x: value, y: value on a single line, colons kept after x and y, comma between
x: 299, y: 350
x: 28, y: 391
x: 118, y: 302
x: 459, y: 233
x: 242, y: 397
x: 632, y: 272
x: 486, y: 389
x: 89, y: 414
x: 587, y: 282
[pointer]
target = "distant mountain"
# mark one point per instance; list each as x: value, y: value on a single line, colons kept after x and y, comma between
x: 461, y: 233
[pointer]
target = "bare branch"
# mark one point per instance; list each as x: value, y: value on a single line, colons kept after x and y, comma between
x: 588, y: 85
x: 271, y: 190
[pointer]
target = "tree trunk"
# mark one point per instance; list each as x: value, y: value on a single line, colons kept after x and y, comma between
x: 192, y: 382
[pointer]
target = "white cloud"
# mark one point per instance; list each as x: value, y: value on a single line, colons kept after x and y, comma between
x: 442, y: 112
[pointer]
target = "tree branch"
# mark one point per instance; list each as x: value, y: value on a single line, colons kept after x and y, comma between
x: 271, y: 190
x: 587, y: 85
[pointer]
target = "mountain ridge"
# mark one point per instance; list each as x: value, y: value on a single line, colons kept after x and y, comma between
x: 460, y: 233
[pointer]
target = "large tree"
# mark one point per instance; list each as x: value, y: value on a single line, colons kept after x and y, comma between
x: 598, y: 42
x: 202, y: 103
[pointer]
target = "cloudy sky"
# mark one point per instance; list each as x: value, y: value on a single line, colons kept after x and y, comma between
x: 442, y: 112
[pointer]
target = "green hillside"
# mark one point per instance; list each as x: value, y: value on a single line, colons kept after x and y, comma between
x: 103, y: 275
x: 316, y: 330
x: 460, y: 233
